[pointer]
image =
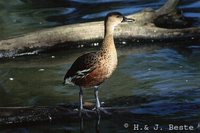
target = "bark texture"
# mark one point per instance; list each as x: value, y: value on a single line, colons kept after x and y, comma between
x: 150, y: 25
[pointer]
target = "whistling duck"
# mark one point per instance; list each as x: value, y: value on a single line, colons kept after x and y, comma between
x: 92, y: 69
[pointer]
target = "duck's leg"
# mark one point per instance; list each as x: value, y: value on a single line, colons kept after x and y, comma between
x: 80, y: 100
x: 98, y: 107
x: 96, y: 94
x: 81, y: 109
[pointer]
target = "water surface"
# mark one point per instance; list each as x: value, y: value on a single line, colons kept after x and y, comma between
x: 168, y: 78
x: 155, y: 81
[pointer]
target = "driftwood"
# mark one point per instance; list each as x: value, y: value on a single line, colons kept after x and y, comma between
x: 28, y: 115
x: 33, y: 114
x: 150, y: 25
x: 25, y: 116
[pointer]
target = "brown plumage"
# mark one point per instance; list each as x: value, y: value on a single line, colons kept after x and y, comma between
x: 91, y: 69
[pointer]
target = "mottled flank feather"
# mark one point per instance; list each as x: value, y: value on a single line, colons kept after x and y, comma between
x: 83, y: 65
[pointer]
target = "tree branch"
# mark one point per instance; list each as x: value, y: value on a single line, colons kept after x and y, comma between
x: 146, y: 27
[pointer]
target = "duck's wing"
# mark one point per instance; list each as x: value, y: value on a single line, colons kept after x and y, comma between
x: 82, y: 66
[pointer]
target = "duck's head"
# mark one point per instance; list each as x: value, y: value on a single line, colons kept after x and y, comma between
x: 114, y: 18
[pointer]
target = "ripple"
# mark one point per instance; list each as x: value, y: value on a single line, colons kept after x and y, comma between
x: 169, y: 110
x: 103, y: 13
x: 165, y: 71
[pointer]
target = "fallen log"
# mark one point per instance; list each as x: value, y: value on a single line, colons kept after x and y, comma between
x: 149, y: 25
x: 33, y: 115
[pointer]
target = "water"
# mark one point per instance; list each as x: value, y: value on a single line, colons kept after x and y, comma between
x: 160, y: 84
x: 167, y: 78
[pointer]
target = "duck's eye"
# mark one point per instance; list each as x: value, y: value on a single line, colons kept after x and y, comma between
x: 118, y: 16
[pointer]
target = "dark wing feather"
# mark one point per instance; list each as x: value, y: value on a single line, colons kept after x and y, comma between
x: 84, y: 62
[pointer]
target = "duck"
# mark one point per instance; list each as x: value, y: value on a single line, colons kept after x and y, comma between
x: 92, y: 69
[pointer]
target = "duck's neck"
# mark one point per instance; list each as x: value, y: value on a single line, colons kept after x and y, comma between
x: 109, y: 29
x: 108, y: 42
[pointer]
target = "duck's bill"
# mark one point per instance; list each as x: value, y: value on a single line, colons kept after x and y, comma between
x: 125, y: 19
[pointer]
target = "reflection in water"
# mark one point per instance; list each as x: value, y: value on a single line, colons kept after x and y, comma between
x: 97, y: 123
x: 81, y: 125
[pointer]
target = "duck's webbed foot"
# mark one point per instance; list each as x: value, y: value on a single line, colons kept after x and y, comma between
x: 85, y: 112
x: 101, y: 109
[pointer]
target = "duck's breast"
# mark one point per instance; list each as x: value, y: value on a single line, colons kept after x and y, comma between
x: 109, y: 63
